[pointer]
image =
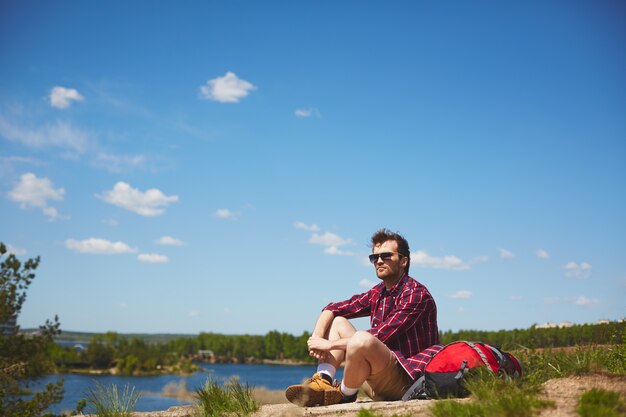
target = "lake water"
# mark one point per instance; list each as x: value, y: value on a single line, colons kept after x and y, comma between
x: 273, y: 377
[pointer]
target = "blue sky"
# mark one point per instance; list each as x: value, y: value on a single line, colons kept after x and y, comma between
x: 221, y: 166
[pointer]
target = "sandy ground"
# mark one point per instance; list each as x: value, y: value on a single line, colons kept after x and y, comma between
x: 565, y: 393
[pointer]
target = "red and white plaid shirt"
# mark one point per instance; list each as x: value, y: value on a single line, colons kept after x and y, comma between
x: 404, y: 318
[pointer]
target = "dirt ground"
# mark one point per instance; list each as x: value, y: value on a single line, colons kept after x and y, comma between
x: 565, y: 393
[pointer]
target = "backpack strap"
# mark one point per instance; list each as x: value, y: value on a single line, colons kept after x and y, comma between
x: 416, y: 390
x: 480, y: 353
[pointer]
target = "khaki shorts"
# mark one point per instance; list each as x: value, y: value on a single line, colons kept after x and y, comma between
x: 390, y: 384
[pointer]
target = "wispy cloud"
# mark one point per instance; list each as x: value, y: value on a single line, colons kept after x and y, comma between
x: 152, y: 258
x: 99, y: 246
x: 62, y: 98
x: 308, y: 228
x: 304, y: 113
x: 169, y: 241
x: 16, y: 251
x: 334, y: 250
x: 60, y: 134
x: 226, y: 89
x: 574, y: 270
x: 329, y: 239
x: 31, y: 191
x: 332, y: 243
x: 424, y: 260
x: 462, y: 294
x: 584, y: 301
x: 505, y: 254
x: 225, y: 213
x: 150, y: 203
x: 118, y: 163
x: 366, y: 283
x: 542, y: 254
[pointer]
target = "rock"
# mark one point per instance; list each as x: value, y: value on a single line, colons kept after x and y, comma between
x: 381, y: 408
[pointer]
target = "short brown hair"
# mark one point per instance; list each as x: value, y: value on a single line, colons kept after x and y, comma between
x: 383, y: 235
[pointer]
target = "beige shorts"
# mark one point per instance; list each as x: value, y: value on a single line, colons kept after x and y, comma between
x: 390, y: 384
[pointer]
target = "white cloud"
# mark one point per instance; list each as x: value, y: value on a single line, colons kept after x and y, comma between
x: 61, y: 134
x: 308, y: 228
x: 505, y: 254
x: 462, y: 294
x: 574, y: 270
x: 98, y: 246
x: 152, y: 258
x: 304, y: 113
x: 193, y: 313
x: 424, y: 260
x: 149, y: 203
x: 61, y: 97
x: 170, y: 241
x: 118, y: 163
x: 36, y: 192
x: 226, y: 89
x: 542, y: 254
x: 366, y: 283
x: 329, y: 239
x: 584, y: 301
x: 226, y: 214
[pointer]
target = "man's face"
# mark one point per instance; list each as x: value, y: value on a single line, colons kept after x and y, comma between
x: 392, y: 268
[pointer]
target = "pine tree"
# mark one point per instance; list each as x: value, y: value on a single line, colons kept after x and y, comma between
x: 23, y: 357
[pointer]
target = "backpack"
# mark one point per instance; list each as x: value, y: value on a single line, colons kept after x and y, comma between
x: 443, y: 375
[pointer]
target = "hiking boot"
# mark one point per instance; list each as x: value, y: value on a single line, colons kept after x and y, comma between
x: 317, y: 390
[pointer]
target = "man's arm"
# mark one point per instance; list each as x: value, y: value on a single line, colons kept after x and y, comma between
x: 322, y: 326
x: 318, y: 343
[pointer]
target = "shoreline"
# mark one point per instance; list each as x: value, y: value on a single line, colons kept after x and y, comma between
x: 114, y: 371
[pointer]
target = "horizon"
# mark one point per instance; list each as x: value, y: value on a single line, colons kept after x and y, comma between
x: 221, y: 167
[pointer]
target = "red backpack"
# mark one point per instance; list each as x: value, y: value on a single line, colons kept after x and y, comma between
x: 443, y: 375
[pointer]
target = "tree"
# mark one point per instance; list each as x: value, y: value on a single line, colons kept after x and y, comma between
x: 23, y: 357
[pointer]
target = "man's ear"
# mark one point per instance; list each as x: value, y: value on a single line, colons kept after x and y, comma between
x: 404, y: 261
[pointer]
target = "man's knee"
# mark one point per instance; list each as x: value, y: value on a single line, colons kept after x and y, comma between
x: 340, y: 322
x: 361, y: 341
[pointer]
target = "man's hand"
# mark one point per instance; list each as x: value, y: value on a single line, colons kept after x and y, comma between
x: 318, y: 347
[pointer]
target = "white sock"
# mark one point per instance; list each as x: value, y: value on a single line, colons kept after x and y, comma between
x: 327, y: 368
x: 348, y: 391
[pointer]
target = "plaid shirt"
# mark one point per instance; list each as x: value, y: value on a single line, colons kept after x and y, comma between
x: 404, y: 318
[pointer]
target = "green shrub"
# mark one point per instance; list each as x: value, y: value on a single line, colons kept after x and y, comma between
x: 600, y: 403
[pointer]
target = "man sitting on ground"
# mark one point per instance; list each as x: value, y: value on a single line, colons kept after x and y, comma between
x: 386, y: 358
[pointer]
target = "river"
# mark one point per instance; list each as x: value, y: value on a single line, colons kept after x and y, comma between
x: 151, y: 388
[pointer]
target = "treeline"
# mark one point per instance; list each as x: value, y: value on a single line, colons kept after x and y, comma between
x: 534, y: 337
x: 134, y: 355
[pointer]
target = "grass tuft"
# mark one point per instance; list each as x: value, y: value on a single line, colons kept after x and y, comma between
x: 601, y: 403
x: 493, y: 397
x: 109, y: 402
x: 233, y: 399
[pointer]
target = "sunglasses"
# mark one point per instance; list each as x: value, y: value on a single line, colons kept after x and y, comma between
x: 383, y: 255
